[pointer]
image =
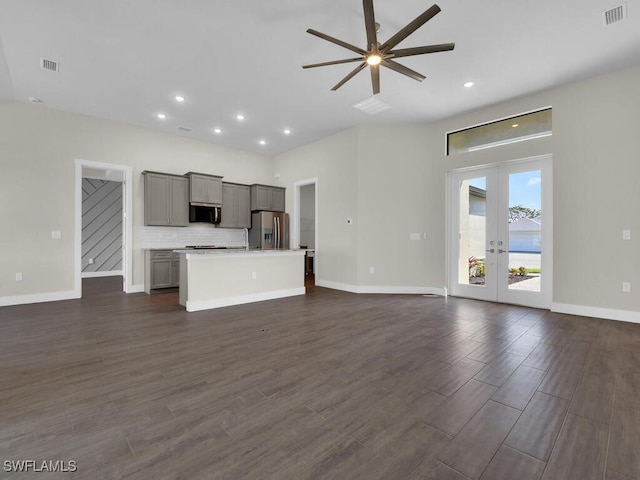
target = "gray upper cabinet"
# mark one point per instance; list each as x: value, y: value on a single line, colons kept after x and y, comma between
x: 205, y: 188
x: 166, y: 199
x: 266, y: 197
x: 236, y: 211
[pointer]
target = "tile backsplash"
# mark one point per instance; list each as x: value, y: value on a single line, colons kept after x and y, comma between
x: 174, y: 237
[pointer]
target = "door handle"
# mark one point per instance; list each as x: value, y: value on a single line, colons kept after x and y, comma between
x: 491, y: 250
x: 500, y: 250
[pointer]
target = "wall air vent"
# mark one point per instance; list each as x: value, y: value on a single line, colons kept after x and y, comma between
x: 615, y: 14
x: 47, y: 64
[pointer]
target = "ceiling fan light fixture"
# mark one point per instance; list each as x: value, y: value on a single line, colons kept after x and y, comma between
x: 376, y: 54
x: 374, y: 59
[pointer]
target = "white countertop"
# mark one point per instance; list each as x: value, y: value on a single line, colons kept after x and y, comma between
x: 232, y: 252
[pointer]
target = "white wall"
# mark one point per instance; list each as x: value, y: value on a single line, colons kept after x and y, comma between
x: 333, y: 161
x: 38, y: 148
x: 595, y: 147
x: 390, y: 180
x: 398, y: 185
x: 394, y: 200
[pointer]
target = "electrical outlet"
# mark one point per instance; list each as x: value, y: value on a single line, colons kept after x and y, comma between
x: 414, y: 236
x: 626, y: 234
x: 372, y: 270
x: 56, y: 234
x: 18, y: 276
x: 626, y: 287
x: 254, y: 275
x: 91, y: 261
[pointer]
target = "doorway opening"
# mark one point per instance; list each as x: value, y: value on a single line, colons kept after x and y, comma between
x: 305, y: 223
x: 500, y: 230
x: 103, y: 227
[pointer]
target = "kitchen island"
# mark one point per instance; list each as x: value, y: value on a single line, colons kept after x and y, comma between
x: 220, y: 278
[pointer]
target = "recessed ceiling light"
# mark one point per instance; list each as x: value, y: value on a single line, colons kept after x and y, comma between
x: 35, y: 100
x: 514, y: 125
x: 162, y: 116
x: 217, y: 130
x: 240, y: 117
x: 287, y: 131
x: 179, y: 98
x: 469, y: 84
x: 262, y: 142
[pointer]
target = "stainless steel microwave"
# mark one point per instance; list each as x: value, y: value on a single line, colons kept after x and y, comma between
x: 205, y: 213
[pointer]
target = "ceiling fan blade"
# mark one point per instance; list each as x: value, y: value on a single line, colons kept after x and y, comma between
x: 375, y: 78
x: 370, y: 25
x: 355, y: 71
x: 402, y: 69
x: 331, y: 39
x: 410, y: 28
x: 407, y: 52
x: 334, y: 62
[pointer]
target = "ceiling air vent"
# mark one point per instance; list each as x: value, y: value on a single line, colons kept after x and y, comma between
x: 47, y: 64
x: 372, y: 106
x: 615, y: 14
x: 184, y: 129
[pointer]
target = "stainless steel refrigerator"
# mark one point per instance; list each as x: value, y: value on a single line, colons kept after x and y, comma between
x: 269, y: 230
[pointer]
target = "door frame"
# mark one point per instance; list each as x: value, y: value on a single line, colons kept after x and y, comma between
x: 127, y: 222
x: 296, y: 217
x: 542, y: 299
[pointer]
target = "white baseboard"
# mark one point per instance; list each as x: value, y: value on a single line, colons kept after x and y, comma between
x: 114, y: 273
x: 382, y: 289
x: 136, y: 289
x: 597, y: 312
x: 241, y: 299
x: 38, y: 298
x: 336, y: 286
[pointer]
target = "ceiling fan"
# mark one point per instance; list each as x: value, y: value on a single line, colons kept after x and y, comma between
x: 377, y: 54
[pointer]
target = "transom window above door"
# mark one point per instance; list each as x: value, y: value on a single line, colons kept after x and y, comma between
x: 501, y: 132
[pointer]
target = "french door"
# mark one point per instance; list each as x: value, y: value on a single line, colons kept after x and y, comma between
x: 500, y: 230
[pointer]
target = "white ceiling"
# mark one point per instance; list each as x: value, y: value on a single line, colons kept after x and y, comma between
x: 125, y: 60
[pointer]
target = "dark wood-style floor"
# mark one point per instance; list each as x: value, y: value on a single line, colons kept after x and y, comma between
x: 330, y: 385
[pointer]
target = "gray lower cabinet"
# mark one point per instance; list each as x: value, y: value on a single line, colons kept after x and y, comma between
x: 267, y: 197
x: 166, y: 199
x: 236, y: 209
x: 162, y: 270
x: 205, y: 188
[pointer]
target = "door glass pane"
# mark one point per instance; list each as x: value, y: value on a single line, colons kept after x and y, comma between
x: 473, y: 231
x: 525, y: 230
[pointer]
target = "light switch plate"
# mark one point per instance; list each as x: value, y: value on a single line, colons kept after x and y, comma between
x: 56, y: 234
x: 626, y: 234
x: 626, y: 287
